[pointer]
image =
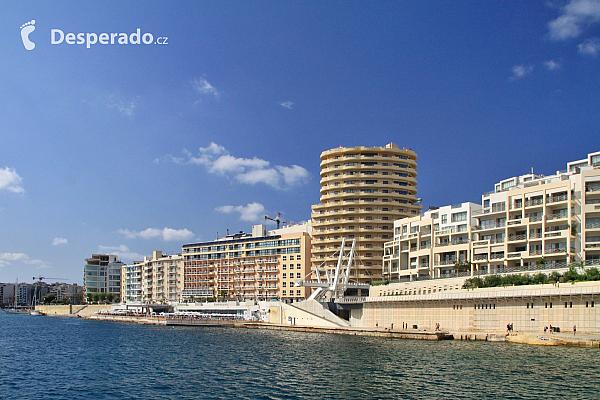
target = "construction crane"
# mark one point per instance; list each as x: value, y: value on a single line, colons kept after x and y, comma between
x: 40, y: 278
x: 277, y: 220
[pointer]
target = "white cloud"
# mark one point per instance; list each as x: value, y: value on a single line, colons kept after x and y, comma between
x: 521, y: 71
x: 11, y: 181
x: 287, y: 104
x: 122, y: 252
x: 166, y: 234
x: 589, y: 47
x: 21, y: 258
x: 552, y: 65
x: 575, y: 16
x: 249, y: 212
x: 126, y: 108
x: 202, y: 86
x: 58, y: 241
x: 245, y: 170
x: 293, y: 175
x: 268, y: 176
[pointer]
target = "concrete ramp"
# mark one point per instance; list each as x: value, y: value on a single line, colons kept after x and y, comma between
x: 321, y: 311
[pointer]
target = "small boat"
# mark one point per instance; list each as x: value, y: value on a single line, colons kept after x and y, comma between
x: 35, y: 313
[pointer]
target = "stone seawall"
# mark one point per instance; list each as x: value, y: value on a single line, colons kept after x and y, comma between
x: 72, y: 310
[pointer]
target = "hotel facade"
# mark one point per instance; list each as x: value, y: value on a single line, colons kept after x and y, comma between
x: 363, y: 190
x: 261, y: 265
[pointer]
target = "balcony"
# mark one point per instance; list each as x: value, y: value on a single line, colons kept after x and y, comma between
x: 534, y: 202
x: 460, y: 241
x: 480, y: 257
x: 497, y: 256
x: 495, y: 225
x: 445, y: 262
x: 517, y: 238
x: 560, y: 215
x: 556, y: 199
x: 555, y: 250
x: 536, y: 218
x: 592, y: 225
x: 535, y: 236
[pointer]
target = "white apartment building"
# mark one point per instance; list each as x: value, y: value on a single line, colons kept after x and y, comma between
x: 157, y: 279
x: 529, y: 222
x: 102, y: 274
x: 434, y: 244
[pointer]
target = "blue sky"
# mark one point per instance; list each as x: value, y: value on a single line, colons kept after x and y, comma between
x: 126, y: 149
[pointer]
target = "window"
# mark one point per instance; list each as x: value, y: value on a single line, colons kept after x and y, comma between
x: 459, y: 217
x: 284, y: 284
x: 444, y: 219
x: 285, y: 292
x: 284, y: 275
x: 298, y: 292
x: 298, y: 257
x: 298, y: 275
x: 284, y: 258
x: 298, y: 266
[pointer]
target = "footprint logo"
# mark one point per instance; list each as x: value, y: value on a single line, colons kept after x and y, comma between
x: 26, y: 29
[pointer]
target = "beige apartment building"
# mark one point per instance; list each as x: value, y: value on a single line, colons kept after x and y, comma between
x: 435, y: 244
x: 528, y: 223
x: 363, y: 191
x: 261, y: 265
x: 157, y: 279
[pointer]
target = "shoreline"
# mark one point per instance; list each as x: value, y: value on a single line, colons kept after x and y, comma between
x: 556, y: 339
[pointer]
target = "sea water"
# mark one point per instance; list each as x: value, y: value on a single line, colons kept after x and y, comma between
x: 70, y: 358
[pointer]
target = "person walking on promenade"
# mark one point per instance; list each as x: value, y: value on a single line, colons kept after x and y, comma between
x: 551, y: 329
x: 574, y: 329
x: 392, y: 326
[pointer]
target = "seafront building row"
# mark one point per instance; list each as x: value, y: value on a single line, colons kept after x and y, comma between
x: 25, y: 294
x: 527, y: 224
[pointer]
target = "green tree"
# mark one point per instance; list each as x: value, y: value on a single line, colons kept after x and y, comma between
x: 492, y: 281
x: 541, y: 261
x: 49, y: 298
x: 572, y: 275
x: 473, y: 283
x: 540, y: 278
x: 592, y: 274
x: 464, y: 266
x: 554, y: 277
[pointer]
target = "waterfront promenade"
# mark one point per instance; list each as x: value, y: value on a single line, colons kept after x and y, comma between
x: 555, y: 339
